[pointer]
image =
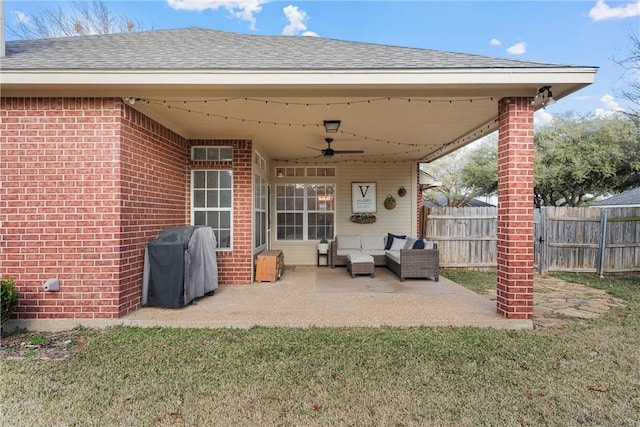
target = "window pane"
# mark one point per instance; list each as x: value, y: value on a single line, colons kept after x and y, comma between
x: 213, y: 219
x: 225, y: 198
x: 212, y: 153
x: 212, y: 179
x: 199, y: 218
x: 212, y: 198
x: 225, y: 219
x: 225, y: 179
x: 311, y: 204
x: 226, y: 153
x: 198, y: 153
x: 198, y: 198
x: 225, y: 239
x: 198, y: 179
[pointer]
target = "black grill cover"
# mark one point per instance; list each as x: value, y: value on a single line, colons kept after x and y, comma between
x: 180, y: 265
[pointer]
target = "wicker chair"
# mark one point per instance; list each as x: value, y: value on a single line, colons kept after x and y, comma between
x: 417, y: 263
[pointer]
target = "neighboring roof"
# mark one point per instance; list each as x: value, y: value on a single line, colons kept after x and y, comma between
x: 626, y: 198
x: 200, y: 49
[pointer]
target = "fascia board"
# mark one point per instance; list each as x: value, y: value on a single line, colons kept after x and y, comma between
x: 291, y: 78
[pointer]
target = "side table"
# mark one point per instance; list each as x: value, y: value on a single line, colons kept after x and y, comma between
x: 326, y: 256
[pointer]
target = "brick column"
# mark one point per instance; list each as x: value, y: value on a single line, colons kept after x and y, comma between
x: 515, y: 209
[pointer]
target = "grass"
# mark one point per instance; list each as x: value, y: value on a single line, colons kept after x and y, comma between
x: 585, y: 374
x: 481, y: 282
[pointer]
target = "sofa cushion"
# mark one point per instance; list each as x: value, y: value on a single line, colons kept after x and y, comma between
x: 373, y: 252
x: 398, y: 244
x: 372, y: 242
x: 390, y: 238
x: 345, y: 252
x: 349, y: 241
x: 428, y: 244
x: 394, y: 255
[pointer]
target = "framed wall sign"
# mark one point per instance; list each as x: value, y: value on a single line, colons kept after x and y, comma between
x: 363, y: 197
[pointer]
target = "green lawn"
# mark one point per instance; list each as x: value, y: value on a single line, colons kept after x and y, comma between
x: 583, y: 374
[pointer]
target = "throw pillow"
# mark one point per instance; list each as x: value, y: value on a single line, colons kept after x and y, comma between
x: 410, y: 242
x: 398, y: 244
x: 390, y: 238
x: 419, y: 244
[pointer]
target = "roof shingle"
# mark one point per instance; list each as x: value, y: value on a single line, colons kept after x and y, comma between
x: 204, y: 49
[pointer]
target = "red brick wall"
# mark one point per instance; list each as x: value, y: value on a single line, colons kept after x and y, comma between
x: 60, y: 204
x: 236, y: 267
x: 154, y: 195
x: 515, y: 209
x: 86, y: 183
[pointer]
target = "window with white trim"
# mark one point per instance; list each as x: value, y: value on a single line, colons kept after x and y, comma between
x: 208, y: 153
x: 305, y: 211
x: 259, y: 211
x: 212, y: 203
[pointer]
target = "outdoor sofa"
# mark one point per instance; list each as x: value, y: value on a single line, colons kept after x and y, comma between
x: 407, y: 257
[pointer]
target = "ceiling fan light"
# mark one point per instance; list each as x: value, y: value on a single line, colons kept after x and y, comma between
x: 331, y: 126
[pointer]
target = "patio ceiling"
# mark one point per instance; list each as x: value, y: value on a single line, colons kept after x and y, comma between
x: 387, y: 124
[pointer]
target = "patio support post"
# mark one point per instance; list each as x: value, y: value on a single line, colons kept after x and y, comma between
x: 515, y: 208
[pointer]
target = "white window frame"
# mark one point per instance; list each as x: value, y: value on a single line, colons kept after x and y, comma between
x: 229, y: 209
x: 260, y: 196
x: 212, y: 153
x: 305, y: 211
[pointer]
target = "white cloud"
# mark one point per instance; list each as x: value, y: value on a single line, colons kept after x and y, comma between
x: 611, y: 107
x: 20, y: 17
x: 518, y: 48
x: 310, y: 34
x: 602, y: 11
x: 495, y: 42
x: 245, y: 10
x: 297, y: 20
x: 542, y: 118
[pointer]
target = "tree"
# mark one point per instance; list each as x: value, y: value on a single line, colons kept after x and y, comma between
x: 631, y: 66
x: 80, y: 18
x: 480, y: 172
x: 576, y: 160
x: 456, y: 191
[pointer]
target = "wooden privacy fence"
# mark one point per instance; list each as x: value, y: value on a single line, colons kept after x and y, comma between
x: 565, y: 239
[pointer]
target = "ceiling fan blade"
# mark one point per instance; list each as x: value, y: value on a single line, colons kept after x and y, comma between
x: 349, y: 152
x: 317, y: 149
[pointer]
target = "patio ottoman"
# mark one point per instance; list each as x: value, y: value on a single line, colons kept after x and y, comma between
x: 359, y: 263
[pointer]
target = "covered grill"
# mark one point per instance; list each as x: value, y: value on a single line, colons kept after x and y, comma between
x: 180, y: 265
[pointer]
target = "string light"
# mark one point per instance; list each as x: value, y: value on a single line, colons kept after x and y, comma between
x: 348, y: 103
x: 328, y: 105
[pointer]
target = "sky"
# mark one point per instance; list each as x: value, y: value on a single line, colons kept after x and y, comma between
x: 571, y: 32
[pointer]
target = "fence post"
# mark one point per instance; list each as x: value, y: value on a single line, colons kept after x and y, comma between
x: 603, y: 240
x: 543, y: 241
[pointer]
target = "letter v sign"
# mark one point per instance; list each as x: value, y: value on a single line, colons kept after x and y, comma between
x: 363, y: 190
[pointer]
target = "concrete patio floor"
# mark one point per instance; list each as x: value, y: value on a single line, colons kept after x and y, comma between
x: 295, y: 301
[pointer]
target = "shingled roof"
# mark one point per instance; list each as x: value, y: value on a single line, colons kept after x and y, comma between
x: 203, y: 49
x: 626, y: 198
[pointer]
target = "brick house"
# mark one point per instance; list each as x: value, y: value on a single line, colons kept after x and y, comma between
x: 107, y: 140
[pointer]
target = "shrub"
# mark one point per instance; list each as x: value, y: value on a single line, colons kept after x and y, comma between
x: 9, y: 298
